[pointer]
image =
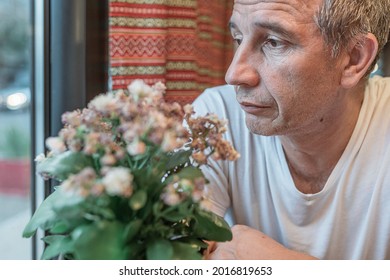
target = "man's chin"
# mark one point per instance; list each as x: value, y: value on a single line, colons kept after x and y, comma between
x: 260, y: 128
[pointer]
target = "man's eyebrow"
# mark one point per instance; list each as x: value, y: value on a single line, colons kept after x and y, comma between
x: 275, y: 27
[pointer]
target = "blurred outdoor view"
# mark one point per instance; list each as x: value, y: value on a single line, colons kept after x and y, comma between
x: 15, y: 58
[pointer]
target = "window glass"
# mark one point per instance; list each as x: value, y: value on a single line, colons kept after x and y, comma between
x: 15, y: 135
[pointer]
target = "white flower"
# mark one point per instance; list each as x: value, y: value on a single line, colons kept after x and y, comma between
x: 118, y: 181
x: 160, y: 88
x: 72, y: 118
x: 55, y: 145
x: 139, y: 89
x: 103, y: 102
x: 39, y: 158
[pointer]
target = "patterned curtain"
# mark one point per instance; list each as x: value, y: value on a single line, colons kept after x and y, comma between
x: 183, y: 43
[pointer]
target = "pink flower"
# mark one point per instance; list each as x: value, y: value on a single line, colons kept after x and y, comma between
x: 188, y: 109
x: 169, y: 142
x: 170, y: 196
x: 199, y: 157
x: 136, y: 147
x: 81, y: 183
x: 108, y: 159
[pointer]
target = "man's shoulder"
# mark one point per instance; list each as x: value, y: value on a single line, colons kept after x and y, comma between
x: 217, y: 92
x: 223, y: 89
x: 379, y: 86
x: 218, y: 99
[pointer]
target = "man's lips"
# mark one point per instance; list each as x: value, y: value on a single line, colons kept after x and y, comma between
x: 254, y: 109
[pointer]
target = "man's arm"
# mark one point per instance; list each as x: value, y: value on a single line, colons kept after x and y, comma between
x: 250, y: 244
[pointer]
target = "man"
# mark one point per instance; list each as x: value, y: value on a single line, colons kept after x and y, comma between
x: 313, y: 179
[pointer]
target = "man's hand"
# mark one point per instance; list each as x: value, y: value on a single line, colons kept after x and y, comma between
x: 250, y: 244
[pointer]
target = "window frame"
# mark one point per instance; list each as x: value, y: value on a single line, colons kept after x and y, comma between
x: 69, y: 67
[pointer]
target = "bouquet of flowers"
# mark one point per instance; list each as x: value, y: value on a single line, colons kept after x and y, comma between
x: 130, y: 184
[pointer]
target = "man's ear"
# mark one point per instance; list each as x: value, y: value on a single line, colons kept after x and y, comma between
x: 359, y: 59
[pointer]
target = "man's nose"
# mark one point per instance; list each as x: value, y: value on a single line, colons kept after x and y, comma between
x: 242, y: 70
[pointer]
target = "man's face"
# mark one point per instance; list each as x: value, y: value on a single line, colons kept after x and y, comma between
x: 284, y: 77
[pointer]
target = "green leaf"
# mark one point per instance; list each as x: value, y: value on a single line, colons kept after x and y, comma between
x: 99, y: 206
x: 138, y: 200
x: 148, y: 180
x: 210, y: 226
x: 183, y: 251
x: 70, y: 212
x: 178, y: 158
x: 62, y: 165
x: 43, y: 215
x: 173, y: 216
x: 190, y: 173
x: 196, y: 243
x: 146, y: 211
x: 135, y: 250
x: 157, y: 208
x: 60, y: 227
x: 67, y: 202
x: 159, y: 249
x: 178, y: 212
x: 99, y: 241
x: 57, y: 245
x: 132, y: 229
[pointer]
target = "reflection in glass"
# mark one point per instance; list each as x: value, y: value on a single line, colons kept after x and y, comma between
x: 15, y: 133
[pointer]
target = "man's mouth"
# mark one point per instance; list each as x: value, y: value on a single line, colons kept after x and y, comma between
x: 254, y: 109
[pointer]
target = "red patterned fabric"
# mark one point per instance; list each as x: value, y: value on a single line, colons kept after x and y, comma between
x: 183, y: 43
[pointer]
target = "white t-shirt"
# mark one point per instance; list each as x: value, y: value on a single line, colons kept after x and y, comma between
x: 348, y: 219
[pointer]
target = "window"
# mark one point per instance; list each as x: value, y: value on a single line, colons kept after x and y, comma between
x: 53, y: 58
x: 15, y: 129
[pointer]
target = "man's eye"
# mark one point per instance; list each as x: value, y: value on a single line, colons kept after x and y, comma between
x: 275, y: 46
x: 273, y: 43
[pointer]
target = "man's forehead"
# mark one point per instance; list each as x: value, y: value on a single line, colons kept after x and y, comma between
x: 300, y: 9
x: 287, y: 2
x: 248, y: 2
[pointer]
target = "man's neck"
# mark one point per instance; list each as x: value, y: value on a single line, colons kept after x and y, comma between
x: 312, y: 157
